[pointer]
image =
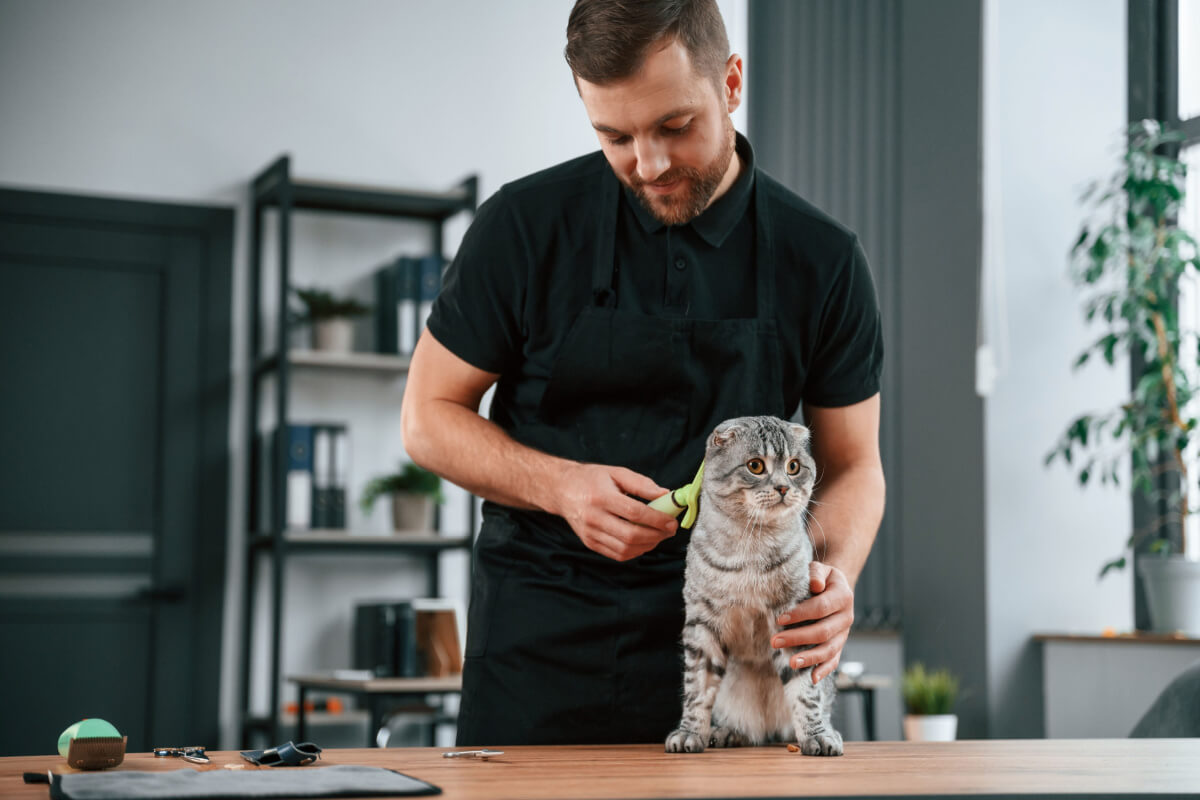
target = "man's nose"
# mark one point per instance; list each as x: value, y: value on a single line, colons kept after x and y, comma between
x: 652, y: 160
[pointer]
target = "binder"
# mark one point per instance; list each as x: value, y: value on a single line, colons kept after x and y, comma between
x: 408, y: 295
x: 385, y: 640
x: 386, y: 335
x: 340, y: 477
x: 322, y: 476
x: 431, y: 283
x: 299, y: 477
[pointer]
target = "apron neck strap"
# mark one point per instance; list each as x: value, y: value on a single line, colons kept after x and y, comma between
x: 764, y: 251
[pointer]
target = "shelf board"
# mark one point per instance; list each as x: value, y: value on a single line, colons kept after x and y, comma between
x: 351, y: 198
x: 379, y: 363
x: 450, y: 683
x: 429, y: 541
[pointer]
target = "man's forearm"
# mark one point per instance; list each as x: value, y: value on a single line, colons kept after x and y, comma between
x: 845, y: 516
x: 474, y: 453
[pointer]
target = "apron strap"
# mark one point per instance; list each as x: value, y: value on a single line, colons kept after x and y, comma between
x: 764, y: 267
x: 604, y: 293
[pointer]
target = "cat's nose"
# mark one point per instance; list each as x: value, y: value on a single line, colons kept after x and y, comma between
x: 783, y: 490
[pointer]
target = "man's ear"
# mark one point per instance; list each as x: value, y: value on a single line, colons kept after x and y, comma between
x: 733, y: 83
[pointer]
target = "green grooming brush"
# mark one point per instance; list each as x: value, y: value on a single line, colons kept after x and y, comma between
x: 686, y: 500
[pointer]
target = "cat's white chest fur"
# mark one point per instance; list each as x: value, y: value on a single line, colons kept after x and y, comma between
x: 745, y: 630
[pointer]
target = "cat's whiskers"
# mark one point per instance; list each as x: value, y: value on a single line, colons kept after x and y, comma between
x: 818, y: 551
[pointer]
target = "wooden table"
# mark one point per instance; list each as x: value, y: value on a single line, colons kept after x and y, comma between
x: 1093, y: 768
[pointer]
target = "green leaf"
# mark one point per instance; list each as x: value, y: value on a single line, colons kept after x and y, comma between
x: 1116, y: 563
x: 1083, y: 357
x: 1083, y: 235
x: 1109, y: 344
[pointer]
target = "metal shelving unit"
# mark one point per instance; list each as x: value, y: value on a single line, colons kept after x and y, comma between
x: 275, y: 187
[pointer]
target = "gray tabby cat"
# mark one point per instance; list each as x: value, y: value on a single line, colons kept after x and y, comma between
x: 747, y: 563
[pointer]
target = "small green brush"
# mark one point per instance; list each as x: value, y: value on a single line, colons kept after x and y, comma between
x: 686, y: 500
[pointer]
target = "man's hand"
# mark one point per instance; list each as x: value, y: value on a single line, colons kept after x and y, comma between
x: 595, y: 501
x: 831, y: 609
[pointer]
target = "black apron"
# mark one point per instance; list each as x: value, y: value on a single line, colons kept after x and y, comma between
x: 565, y: 646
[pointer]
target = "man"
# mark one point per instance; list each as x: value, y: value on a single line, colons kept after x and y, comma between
x: 623, y: 304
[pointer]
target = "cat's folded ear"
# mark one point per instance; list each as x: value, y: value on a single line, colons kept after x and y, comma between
x: 725, y: 433
x: 801, y: 433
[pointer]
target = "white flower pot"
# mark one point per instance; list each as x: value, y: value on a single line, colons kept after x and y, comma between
x: 412, y: 513
x: 930, y: 727
x: 1172, y: 593
x: 333, y: 335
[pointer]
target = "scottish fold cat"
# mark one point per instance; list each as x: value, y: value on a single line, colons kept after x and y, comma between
x: 748, y: 562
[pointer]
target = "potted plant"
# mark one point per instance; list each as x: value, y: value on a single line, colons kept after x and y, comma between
x: 1131, y: 263
x: 414, y: 491
x: 928, y: 702
x: 330, y: 318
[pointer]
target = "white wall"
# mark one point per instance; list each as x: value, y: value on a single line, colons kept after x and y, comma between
x: 187, y: 101
x: 1055, y: 106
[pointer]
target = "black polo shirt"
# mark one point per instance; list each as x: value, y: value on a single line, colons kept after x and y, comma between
x: 523, y: 273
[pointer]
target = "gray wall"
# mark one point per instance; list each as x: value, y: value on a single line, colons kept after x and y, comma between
x: 828, y: 127
x: 941, y: 461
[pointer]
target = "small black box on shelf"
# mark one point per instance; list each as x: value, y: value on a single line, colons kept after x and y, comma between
x: 385, y: 639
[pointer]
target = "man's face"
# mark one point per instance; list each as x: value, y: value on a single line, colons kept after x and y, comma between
x: 666, y: 133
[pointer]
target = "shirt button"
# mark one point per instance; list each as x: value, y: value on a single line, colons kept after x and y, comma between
x: 680, y: 264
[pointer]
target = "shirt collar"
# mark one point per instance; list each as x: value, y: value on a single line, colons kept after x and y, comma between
x: 716, y: 222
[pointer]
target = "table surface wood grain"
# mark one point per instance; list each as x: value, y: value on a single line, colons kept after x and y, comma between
x: 1019, y: 768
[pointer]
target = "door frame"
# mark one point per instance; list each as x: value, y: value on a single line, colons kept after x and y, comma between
x: 210, y: 228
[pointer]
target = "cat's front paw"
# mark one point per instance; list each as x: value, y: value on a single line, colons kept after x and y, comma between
x: 726, y: 737
x: 682, y: 740
x: 824, y: 742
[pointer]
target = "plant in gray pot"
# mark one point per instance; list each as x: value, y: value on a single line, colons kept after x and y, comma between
x: 414, y: 492
x: 331, y: 318
x: 1131, y: 263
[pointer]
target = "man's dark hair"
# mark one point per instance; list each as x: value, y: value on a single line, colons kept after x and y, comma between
x: 607, y: 40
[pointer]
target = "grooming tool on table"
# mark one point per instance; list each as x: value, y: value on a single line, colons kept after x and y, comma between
x: 685, y: 500
x: 92, y: 744
x: 193, y: 754
x: 481, y: 754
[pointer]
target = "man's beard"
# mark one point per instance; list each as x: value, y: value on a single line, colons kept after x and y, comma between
x: 682, y: 207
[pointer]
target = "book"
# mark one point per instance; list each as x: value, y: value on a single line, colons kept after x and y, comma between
x: 437, y: 639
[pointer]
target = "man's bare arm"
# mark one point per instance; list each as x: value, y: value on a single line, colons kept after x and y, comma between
x: 846, y: 511
x: 444, y: 432
x: 849, y: 496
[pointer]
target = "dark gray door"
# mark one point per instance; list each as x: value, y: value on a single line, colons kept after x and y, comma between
x: 114, y: 362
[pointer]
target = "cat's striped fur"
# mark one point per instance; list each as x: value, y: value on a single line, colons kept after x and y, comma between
x: 748, y: 562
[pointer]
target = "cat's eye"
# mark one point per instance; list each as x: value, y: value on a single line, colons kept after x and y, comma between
x: 794, y: 467
x: 756, y: 466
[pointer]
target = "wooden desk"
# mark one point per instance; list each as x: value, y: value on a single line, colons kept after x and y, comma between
x: 1059, y: 768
